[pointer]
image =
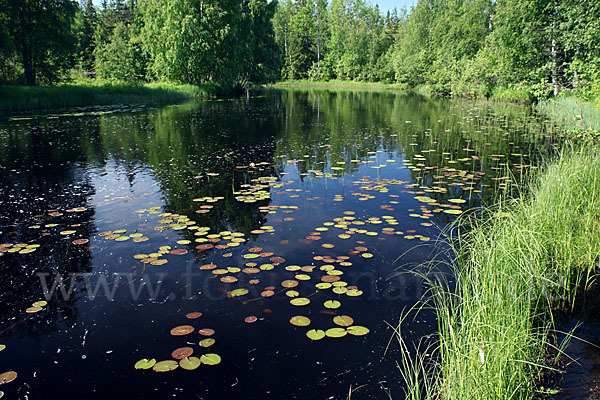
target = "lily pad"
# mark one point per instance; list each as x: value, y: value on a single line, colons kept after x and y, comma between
x: 332, y: 304
x: 206, y: 332
x: 165, y: 366
x: 210, y: 359
x: 357, y: 330
x: 299, y: 301
x: 182, y: 330
x: 290, y: 283
x: 190, y: 363
x: 299, y: 320
x: 7, y: 377
x: 207, y: 342
x: 144, y: 363
x: 335, y: 332
x: 250, y: 319
x: 182, y: 352
x: 315, y: 334
x: 343, y: 320
x: 193, y: 315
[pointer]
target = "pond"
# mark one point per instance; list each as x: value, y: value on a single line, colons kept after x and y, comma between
x: 226, y: 232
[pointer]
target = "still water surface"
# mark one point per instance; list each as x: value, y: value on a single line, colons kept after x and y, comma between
x: 126, y: 221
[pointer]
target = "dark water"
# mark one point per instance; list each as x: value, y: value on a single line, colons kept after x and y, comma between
x: 401, y: 166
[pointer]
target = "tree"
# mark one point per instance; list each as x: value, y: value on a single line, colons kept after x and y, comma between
x: 43, y: 35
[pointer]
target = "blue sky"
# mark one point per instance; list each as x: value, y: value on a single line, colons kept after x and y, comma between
x: 386, y: 5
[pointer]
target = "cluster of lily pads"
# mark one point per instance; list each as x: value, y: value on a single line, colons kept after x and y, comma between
x: 182, y: 356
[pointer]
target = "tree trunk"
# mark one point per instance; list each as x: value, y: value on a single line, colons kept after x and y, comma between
x: 553, y: 53
x: 28, y: 68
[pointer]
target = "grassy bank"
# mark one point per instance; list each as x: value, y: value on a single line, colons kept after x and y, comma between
x: 336, y: 84
x: 529, y: 256
x: 25, y: 98
x: 571, y: 112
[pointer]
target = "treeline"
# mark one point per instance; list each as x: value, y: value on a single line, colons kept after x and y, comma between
x: 230, y: 42
x: 530, y: 48
x: 463, y: 47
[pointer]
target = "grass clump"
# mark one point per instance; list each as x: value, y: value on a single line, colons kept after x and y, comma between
x: 529, y: 256
x: 91, y: 93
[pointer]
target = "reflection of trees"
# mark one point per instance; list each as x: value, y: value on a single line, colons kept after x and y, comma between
x: 41, y: 172
x: 337, y: 126
x: 183, y: 144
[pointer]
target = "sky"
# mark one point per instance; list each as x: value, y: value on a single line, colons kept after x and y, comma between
x: 384, y: 5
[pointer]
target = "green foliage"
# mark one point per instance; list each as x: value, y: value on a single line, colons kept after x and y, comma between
x: 39, y: 34
x: 121, y: 57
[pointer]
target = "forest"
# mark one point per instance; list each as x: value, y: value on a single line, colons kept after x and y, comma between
x: 516, y: 49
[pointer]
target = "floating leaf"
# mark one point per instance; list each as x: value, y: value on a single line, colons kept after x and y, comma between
x: 315, y: 334
x: 182, y: 353
x: 178, y: 252
x: 367, y: 255
x: 165, y: 366
x: 193, y: 315
x: 323, y: 285
x: 80, y: 241
x: 357, y: 330
x: 40, y: 303
x: 210, y: 359
x: 354, y: 292
x: 206, y: 332
x: 250, y: 319
x: 190, y: 363
x: 453, y: 212
x: 238, y: 292
x: 299, y: 301
x: 182, y: 330
x: 289, y: 283
x: 144, y: 363
x: 7, y: 377
x: 343, y: 320
x: 2, y: 347
x: 335, y: 332
x: 267, y: 293
x: 299, y: 320
x: 31, y: 310
x: 207, y: 342
x: 292, y: 293
x: 332, y: 304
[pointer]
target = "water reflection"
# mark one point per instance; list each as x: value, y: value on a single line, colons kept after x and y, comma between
x: 309, y: 176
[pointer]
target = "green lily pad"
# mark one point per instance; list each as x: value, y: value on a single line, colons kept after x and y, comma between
x: 453, y: 212
x: 299, y: 320
x: 210, y: 359
x: 323, y: 285
x: 425, y: 199
x: 336, y: 332
x: 357, y: 330
x: 207, y: 342
x: 238, y: 292
x: 2, y: 347
x: 299, y: 301
x: 144, y: 363
x: 165, y: 366
x: 315, y: 334
x: 190, y: 363
x: 332, y: 304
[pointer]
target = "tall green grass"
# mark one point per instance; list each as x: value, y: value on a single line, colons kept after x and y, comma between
x: 26, y: 98
x: 526, y: 258
x: 571, y: 112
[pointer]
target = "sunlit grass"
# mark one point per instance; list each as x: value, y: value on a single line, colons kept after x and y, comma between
x: 571, y: 112
x: 528, y: 257
x: 90, y: 93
